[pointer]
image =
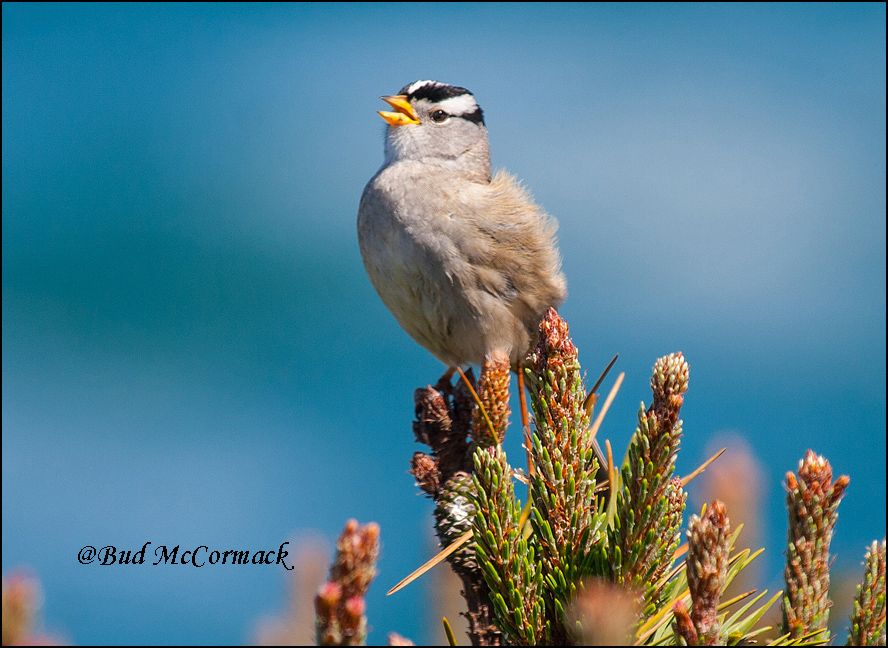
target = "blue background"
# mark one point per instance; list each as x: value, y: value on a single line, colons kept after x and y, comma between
x: 192, y: 353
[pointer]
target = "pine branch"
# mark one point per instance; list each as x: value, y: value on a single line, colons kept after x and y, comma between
x: 21, y: 595
x: 340, y: 604
x: 493, y: 391
x: 868, y: 617
x: 446, y: 417
x: 564, y: 510
x: 707, y: 570
x: 506, y: 557
x: 812, y: 500
x: 604, y: 614
x: 649, y: 505
x: 394, y: 639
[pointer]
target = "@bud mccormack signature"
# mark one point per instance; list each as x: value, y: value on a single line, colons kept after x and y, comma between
x: 198, y: 557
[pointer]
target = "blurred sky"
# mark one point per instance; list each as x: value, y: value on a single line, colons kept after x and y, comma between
x: 192, y: 353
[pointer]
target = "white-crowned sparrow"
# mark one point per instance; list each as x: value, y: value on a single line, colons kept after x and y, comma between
x: 465, y: 262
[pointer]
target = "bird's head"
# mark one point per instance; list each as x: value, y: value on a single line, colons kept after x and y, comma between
x: 440, y: 123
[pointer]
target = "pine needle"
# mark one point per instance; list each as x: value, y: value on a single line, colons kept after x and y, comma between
x: 448, y: 631
x: 687, y: 480
x: 607, y: 404
x: 590, y: 399
x: 493, y: 434
x: 456, y: 544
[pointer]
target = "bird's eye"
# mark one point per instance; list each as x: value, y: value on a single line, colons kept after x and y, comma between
x: 438, y: 116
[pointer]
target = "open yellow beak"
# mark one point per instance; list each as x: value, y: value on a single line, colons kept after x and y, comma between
x: 404, y: 114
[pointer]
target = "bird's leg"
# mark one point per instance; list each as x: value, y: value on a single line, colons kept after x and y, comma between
x: 525, y: 425
x: 443, y: 385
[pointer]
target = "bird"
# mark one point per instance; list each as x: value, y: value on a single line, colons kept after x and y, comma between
x: 466, y: 261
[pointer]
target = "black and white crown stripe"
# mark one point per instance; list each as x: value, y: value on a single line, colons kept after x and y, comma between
x: 453, y: 100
